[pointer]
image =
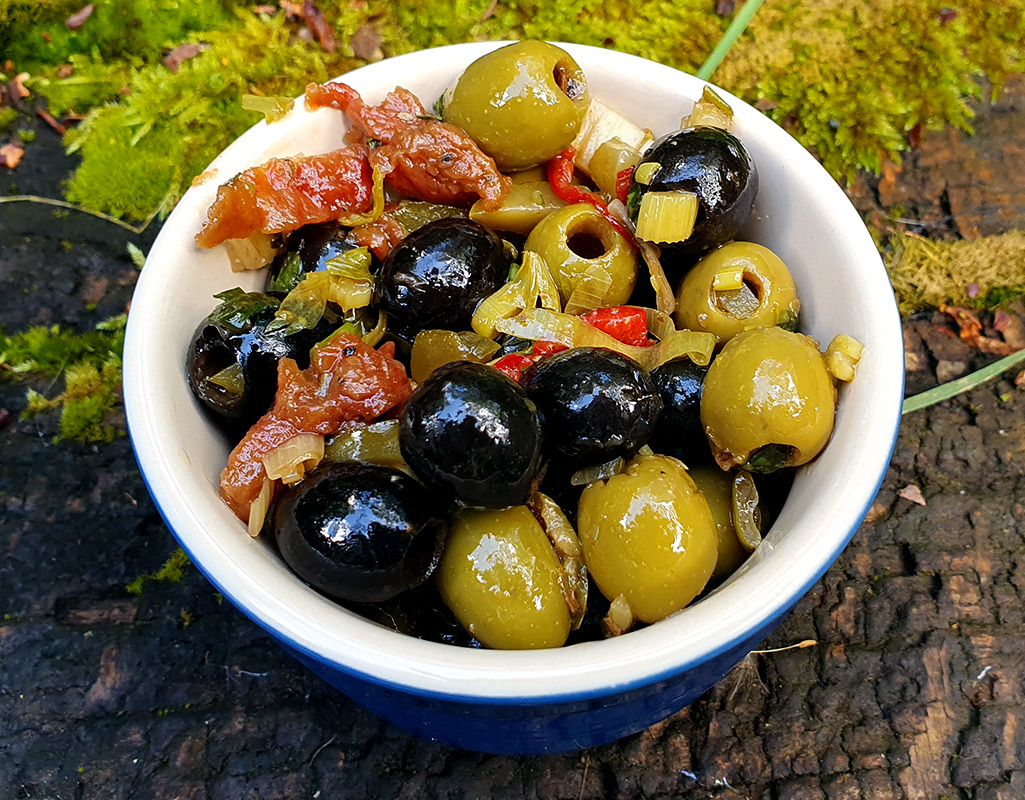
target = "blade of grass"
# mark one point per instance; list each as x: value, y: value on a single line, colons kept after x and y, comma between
x: 740, y: 22
x: 953, y: 388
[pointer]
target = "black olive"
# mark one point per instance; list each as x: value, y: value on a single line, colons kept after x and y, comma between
x: 435, y: 277
x: 420, y: 612
x: 359, y: 532
x: 232, y: 361
x: 596, y: 404
x: 714, y: 165
x: 681, y: 434
x: 470, y: 432
x: 307, y: 250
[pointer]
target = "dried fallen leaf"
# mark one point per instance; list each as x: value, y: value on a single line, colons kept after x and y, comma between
x: 971, y: 332
x: 876, y: 513
x: 1019, y: 379
x: 724, y: 7
x: 47, y: 117
x: 489, y: 12
x: 765, y: 104
x: 318, y: 26
x: 11, y: 155
x: 268, y: 10
x: 65, y: 71
x: 183, y: 52
x: 366, y: 43
x: 18, y: 85
x: 912, y: 493
x: 77, y: 20
x: 1011, y: 327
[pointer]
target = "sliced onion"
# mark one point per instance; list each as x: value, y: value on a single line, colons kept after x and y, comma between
x: 620, y: 618
x: 290, y: 461
x: 259, y: 507
x: 254, y: 252
x: 567, y: 547
x: 372, y: 337
x: 376, y: 210
x: 597, y: 472
x: 665, y: 300
x: 533, y: 283
x: 590, y: 290
x: 540, y: 324
x: 660, y: 324
x: 747, y: 516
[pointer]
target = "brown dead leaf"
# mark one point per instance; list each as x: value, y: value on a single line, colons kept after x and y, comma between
x: 912, y: 493
x: 366, y: 43
x: 18, y: 85
x: 971, y: 332
x: 95, y: 289
x: 181, y: 53
x: 1019, y: 379
x: 268, y: 10
x: 765, y: 104
x: 77, y: 20
x: 47, y: 117
x: 11, y: 155
x: 1011, y: 327
x: 876, y: 513
x: 318, y: 26
x: 724, y: 8
x: 65, y: 71
x: 489, y: 12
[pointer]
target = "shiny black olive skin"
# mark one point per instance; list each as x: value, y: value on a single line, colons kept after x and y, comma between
x: 680, y: 433
x: 315, y: 245
x: 420, y: 612
x: 714, y: 165
x: 596, y: 405
x: 471, y: 433
x: 435, y: 277
x: 217, y: 344
x: 359, y: 532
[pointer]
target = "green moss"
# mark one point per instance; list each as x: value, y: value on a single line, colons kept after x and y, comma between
x: 7, y: 116
x: 90, y: 363
x: 173, y: 571
x: 927, y: 274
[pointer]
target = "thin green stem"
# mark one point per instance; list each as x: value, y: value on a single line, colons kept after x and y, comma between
x: 953, y: 388
x: 733, y: 32
x: 49, y: 201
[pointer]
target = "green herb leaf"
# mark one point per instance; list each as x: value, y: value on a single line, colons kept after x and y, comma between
x: 289, y: 275
x: 240, y: 308
x: 138, y: 257
x: 768, y: 459
x: 633, y: 200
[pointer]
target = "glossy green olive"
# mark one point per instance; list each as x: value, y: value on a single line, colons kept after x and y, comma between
x: 501, y: 578
x: 717, y: 488
x: 649, y: 535
x: 522, y: 104
x: 768, y: 401
x: 768, y: 295
x: 576, y: 239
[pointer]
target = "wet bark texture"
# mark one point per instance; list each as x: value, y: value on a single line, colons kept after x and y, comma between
x: 914, y: 688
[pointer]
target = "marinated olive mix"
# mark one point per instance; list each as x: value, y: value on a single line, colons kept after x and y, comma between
x: 597, y: 405
x: 470, y: 433
x: 360, y: 532
x: 438, y: 274
x: 485, y: 446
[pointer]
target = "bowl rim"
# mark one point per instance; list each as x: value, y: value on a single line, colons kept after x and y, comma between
x: 592, y: 669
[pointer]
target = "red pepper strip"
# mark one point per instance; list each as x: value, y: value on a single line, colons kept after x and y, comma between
x: 548, y: 348
x: 513, y: 365
x: 624, y: 180
x: 560, y: 176
x: 626, y: 324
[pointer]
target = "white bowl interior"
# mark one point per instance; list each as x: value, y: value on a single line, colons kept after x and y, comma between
x: 800, y: 213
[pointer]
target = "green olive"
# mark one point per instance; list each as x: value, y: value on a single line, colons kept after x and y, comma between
x: 501, y: 578
x: 648, y: 535
x: 757, y: 290
x: 522, y: 104
x: 768, y: 401
x: 717, y: 488
x: 576, y: 239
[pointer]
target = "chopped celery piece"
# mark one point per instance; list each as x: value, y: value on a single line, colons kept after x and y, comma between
x: 646, y: 172
x: 728, y: 279
x: 667, y: 217
x: 611, y: 158
x: 600, y: 125
x: 272, y: 108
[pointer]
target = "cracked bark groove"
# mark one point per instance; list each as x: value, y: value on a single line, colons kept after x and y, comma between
x: 915, y: 690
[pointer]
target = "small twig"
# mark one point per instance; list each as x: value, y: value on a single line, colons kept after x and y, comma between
x: 798, y: 646
x: 317, y: 751
x: 47, y: 117
x: 583, y: 780
x: 49, y: 201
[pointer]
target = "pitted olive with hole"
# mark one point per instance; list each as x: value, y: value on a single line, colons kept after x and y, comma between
x: 768, y: 401
x: 576, y: 239
x: 648, y: 535
x: 522, y: 104
x: 741, y: 285
x: 501, y: 578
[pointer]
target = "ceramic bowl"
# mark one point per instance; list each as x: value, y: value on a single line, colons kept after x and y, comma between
x: 586, y: 694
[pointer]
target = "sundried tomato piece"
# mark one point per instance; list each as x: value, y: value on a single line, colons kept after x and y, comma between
x: 287, y: 193
x: 346, y: 384
x: 421, y: 157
